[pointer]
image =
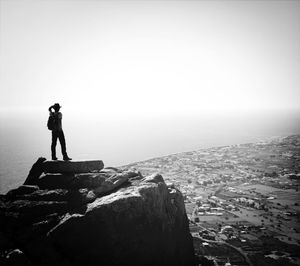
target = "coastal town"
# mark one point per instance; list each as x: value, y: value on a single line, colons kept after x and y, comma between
x: 242, y: 201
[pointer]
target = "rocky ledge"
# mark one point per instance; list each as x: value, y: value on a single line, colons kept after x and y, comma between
x: 80, y: 213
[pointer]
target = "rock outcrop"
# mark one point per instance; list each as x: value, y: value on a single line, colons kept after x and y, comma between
x: 72, y: 167
x: 100, y: 217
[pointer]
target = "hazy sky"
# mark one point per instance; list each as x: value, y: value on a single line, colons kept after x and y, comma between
x: 150, y: 56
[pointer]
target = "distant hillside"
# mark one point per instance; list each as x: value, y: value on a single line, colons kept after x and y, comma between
x: 262, y: 156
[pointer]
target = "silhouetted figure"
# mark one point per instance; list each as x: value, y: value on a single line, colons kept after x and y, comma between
x: 57, y: 133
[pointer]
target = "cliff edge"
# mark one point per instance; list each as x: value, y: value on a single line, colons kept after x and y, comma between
x: 80, y: 213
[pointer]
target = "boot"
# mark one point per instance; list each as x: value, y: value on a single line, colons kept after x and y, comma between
x: 67, y: 158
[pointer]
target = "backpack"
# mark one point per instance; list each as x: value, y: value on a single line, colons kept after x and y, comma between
x: 51, y: 122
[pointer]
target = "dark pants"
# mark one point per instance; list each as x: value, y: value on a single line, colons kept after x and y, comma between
x: 58, y: 134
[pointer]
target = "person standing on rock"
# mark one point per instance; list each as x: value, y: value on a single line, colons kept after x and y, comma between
x: 57, y: 133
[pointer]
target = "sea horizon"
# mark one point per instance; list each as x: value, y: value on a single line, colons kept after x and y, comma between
x: 120, y: 141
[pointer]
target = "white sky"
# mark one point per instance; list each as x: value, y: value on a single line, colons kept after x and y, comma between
x: 150, y: 56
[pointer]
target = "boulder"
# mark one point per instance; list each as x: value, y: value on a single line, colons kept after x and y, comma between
x: 98, y: 217
x: 74, y: 197
x: 79, y: 198
x: 89, y: 180
x: 72, y: 166
x: 101, y: 182
x: 35, y: 171
x: 55, y: 181
x: 46, y: 195
x: 28, y: 211
x: 21, y: 190
x: 137, y: 225
x: 113, y: 182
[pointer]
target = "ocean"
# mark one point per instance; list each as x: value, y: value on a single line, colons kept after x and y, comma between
x: 124, y: 139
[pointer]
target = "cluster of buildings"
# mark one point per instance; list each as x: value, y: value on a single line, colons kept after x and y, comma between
x: 212, y: 206
x: 256, y: 204
x: 212, y: 182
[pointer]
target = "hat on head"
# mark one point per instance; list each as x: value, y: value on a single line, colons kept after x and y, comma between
x: 56, y: 105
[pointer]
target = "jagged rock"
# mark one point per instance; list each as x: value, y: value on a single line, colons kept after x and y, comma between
x: 102, y: 182
x: 89, y: 180
x: 107, y: 217
x: 71, y: 181
x: 72, y: 166
x: 140, y: 225
x: 80, y: 197
x: 21, y: 190
x: 74, y: 197
x: 35, y: 172
x: 28, y: 211
x: 103, y: 179
x: 46, y: 195
x: 91, y: 196
x: 114, y: 182
x: 155, y: 178
x: 55, y: 181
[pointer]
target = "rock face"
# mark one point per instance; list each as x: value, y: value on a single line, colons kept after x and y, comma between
x: 72, y: 167
x: 104, y: 218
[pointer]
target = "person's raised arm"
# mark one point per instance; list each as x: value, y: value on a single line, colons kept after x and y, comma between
x: 50, y: 109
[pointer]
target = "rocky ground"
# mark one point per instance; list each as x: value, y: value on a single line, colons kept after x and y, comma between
x: 74, y: 213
